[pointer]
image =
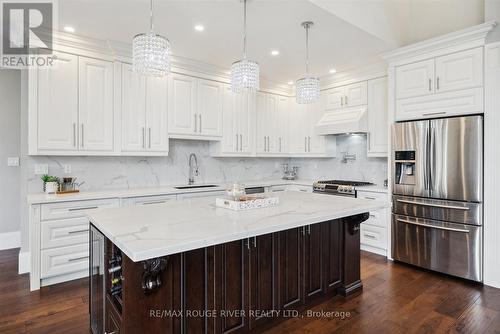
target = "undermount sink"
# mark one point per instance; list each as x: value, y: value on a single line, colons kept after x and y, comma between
x: 194, y: 186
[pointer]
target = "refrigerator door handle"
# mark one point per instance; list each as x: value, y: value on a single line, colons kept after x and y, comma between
x: 432, y: 226
x: 464, y: 208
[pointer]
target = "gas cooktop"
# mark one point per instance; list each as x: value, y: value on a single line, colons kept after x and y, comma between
x: 338, y: 187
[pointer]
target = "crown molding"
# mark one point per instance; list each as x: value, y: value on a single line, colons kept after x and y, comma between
x: 367, y: 72
x: 473, y: 36
x: 119, y: 51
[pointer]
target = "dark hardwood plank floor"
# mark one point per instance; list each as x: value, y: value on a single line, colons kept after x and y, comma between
x: 396, y: 299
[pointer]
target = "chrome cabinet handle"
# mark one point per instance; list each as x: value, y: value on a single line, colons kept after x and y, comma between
x: 236, y: 142
x: 368, y: 197
x: 305, y: 144
x: 74, y: 134
x: 434, y: 113
x: 303, y: 230
x: 78, y: 258
x: 82, y: 136
x: 149, y: 137
x: 345, y: 100
x: 265, y: 146
x: 143, y: 137
x: 443, y: 206
x: 81, y: 209
x: 309, y: 140
x: 241, y: 142
x: 309, y: 229
x: 432, y: 226
x: 248, y: 243
x: 254, y: 242
x: 430, y: 84
x: 437, y: 83
x: 157, y: 202
x: 280, y: 144
x: 369, y: 236
x: 199, y: 116
x: 79, y: 231
x: 195, y: 123
x: 341, y: 101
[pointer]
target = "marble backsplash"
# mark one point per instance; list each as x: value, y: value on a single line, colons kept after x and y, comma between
x: 362, y: 169
x: 101, y: 173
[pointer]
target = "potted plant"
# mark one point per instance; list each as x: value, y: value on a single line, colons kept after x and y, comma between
x: 50, y: 184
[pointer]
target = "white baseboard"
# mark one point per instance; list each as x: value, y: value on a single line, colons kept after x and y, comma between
x: 10, y: 240
x: 375, y: 250
x: 24, y: 262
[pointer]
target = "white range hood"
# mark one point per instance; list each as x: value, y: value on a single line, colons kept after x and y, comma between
x: 335, y: 122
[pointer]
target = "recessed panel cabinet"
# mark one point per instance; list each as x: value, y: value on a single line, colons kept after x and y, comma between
x: 71, y: 108
x: 144, y: 113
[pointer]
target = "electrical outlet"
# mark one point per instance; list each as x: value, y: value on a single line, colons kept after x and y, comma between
x: 41, y: 169
x: 13, y: 161
x: 67, y: 169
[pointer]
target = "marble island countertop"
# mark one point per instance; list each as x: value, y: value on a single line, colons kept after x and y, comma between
x: 41, y: 198
x: 144, y: 232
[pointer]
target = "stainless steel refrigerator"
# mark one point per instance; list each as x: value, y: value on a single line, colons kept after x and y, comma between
x: 437, y: 195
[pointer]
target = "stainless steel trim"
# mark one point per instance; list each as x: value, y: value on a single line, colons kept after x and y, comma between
x: 432, y: 226
x: 149, y: 137
x: 434, y: 205
x: 81, y: 209
x: 79, y: 231
x: 369, y: 236
x: 78, y: 258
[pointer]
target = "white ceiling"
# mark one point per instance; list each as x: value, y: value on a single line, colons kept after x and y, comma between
x: 346, y: 34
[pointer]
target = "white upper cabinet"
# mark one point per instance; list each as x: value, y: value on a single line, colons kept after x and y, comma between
x: 157, y: 114
x: 195, y: 108
x: 238, y: 125
x: 345, y: 96
x: 283, y: 124
x: 55, y: 105
x: 144, y: 113
x: 378, y: 128
x: 133, y: 104
x: 447, y: 85
x: 183, y: 118
x: 267, y: 119
x: 298, y: 129
x: 459, y: 70
x: 96, y: 104
x: 209, y: 108
x: 415, y: 79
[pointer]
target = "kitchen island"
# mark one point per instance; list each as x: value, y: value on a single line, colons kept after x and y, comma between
x: 191, y: 267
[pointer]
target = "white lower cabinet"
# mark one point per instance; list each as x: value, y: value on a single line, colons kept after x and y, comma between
x: 64, y: 260
x: 201, y: 194
x: 149, y: 200
x: 374, y: 231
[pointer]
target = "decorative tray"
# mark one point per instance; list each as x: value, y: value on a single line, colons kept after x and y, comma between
x: 247, y: 202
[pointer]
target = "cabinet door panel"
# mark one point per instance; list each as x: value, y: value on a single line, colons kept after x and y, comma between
x: 459, y: 70
x: 313, y: 262
x: 245, y: 123
x: 230, y: 110
x: 263, y: 293
x: 298, y: 129
x: 182, y: 105
x: 334, y: 98
x: 332, y: 254
x: 315, y: 143
x: 282, y: 125
x: 133, y: 110
x: 96, y: 104
x: 58, y: 104
x: 290, y: 268
x: 156, y: 114
x: 377, y: 118
x: 356, y: 94
x: 231, y: 291
x: 272, y: 110
x: 262, y: 122
x: 209, y: 107
x: 415, y: 79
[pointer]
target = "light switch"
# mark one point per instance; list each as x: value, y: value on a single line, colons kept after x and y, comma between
x: 41, y: 169
x: 13, y: 161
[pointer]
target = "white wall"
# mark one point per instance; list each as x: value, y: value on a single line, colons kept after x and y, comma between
x: 10, y: 98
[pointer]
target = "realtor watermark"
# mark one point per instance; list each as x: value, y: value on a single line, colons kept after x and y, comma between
x: 162, y: 313
x: 27, y: 33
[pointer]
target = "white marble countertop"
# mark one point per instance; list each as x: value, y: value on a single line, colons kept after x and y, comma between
x: 144, y: 232
x: 41, y: 198
x: 375, y: 188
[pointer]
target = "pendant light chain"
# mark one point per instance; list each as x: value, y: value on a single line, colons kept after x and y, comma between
x: 151, y: 16
x: 307, y: 49
x: 244, y: 29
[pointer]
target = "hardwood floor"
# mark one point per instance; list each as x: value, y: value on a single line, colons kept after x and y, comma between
x: 396, y: 299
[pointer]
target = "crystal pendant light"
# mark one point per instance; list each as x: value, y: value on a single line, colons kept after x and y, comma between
x: 151, y: 52
x: 307, y: 89
x: 245, y: 73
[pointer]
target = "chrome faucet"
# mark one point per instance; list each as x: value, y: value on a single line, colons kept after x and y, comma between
x: 193, y: 169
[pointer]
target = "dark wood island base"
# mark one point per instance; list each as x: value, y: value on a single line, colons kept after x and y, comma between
x: 243, y: 286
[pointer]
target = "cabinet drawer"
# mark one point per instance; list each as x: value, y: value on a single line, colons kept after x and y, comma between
x: 305, y: 189
x: 67, y: 232
x: 151, y: 200
x: 378, y: 218
x: 75, y: 209
x: 201, y: 194
x: 64, y: 260
x: 374, y: 236
x: 373, y: 196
